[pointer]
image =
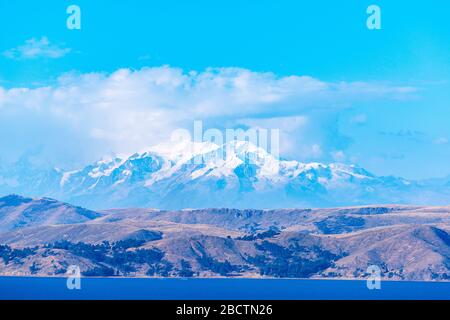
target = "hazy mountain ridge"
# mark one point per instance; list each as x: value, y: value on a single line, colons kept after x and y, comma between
x: 407, y: 242
x: 18, y: 212
x: 238, y: 175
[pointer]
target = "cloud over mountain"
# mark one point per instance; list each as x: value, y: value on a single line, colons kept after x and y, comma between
x: 89, y: 115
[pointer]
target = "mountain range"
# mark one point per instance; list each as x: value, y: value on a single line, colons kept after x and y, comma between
x: 234, y: 175
x: 43, y: 237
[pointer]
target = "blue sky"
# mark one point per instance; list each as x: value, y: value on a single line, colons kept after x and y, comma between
x: 382, y: 101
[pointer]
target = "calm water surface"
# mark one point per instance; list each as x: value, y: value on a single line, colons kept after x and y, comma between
x: 240, y: 289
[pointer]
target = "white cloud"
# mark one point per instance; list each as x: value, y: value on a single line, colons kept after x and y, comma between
x: 441, y: 140
x: 90, y: 114
x: 359, y: 119
x: 316, y: 150
x: 338, y: 156
x: 291, y: 128
x: 37, y: 48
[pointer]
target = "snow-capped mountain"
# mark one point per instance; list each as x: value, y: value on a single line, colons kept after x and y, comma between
x: 199, y: 175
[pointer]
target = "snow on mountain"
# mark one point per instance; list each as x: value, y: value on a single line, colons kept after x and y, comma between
x: 198, y: 175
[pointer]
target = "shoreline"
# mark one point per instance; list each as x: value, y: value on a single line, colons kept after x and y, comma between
x: 221, y: 278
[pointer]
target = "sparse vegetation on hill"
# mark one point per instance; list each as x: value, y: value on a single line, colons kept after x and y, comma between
x: 116, y: 258
x: 17, y: 255
x: 407, y: 243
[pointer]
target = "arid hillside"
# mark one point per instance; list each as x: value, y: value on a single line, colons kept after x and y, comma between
x: 43, y: 237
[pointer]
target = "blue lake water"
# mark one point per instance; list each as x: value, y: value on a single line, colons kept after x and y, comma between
x: 206, y: 289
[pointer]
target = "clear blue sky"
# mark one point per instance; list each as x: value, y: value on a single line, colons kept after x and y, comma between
x: 326, y: 40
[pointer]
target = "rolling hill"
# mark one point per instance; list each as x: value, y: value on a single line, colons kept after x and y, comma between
x: 44, y: 236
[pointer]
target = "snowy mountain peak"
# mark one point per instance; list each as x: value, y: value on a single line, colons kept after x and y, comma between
x: 237, y: 174
x: 184, y: 150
